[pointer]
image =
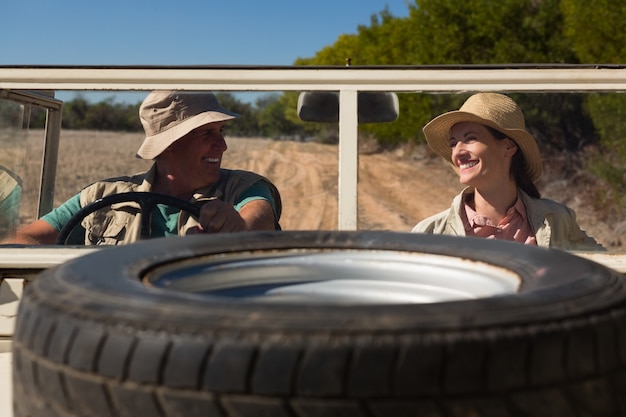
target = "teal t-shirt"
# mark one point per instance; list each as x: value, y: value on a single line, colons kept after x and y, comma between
x: 164, y: 217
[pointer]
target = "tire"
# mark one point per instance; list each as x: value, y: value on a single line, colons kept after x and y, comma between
x: 151, y: 329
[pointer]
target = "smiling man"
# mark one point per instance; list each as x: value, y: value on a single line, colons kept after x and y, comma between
x: 184, y: 137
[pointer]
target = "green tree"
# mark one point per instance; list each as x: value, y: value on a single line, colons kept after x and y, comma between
x: 440, y: 32
x: 246, y: 124
x: 273, y: 117
x: 591, y: 29
x: 385, y: 42
x: 108, y: 115
x: 74, y: 113
x: 505, y: 32
x: 486, y: 31
x: 79, y: 114
x: 11, y: 115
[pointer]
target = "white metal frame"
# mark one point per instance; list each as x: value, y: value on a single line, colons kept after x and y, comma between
x: 347, y: 80
x: 51, y: 140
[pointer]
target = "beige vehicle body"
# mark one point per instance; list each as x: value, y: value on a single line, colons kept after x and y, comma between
x: 27, y: 88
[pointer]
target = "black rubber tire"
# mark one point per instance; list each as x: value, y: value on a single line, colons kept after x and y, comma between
x: 92, y: 340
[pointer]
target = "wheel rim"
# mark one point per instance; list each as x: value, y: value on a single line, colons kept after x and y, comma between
x: 336, y: 277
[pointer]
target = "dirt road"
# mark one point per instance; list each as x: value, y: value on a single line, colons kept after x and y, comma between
x: 393, y: 193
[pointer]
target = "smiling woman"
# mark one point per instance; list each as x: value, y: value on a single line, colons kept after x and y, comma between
x: 487, y: 143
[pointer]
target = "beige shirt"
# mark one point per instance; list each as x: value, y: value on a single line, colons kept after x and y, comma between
x: 553, y: 224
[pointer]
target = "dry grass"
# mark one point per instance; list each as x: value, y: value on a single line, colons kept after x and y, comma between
x: 84, y: 157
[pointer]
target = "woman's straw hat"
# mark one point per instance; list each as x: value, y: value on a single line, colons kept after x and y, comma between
x: 494, y: 110
x: 167, y: 116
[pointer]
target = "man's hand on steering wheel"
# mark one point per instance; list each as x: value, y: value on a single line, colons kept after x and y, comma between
x: 218, y: 216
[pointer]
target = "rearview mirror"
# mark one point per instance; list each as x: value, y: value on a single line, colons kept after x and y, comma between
x: 323, y: 106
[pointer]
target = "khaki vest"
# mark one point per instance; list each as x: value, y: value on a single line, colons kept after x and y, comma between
x: 121, y: 222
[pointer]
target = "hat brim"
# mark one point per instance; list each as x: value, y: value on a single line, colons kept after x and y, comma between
x: 437, y: 133
x: 152, y: 146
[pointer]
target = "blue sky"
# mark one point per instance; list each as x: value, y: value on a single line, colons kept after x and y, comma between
x: 178, y: 32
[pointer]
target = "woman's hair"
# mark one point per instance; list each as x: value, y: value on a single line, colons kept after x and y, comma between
x: 518, y: 167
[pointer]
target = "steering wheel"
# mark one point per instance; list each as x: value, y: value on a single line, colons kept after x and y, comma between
x: 146, y: 200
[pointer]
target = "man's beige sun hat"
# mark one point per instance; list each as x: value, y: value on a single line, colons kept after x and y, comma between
x: 491, y: 109
x: 167, y: 116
